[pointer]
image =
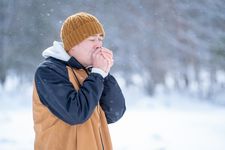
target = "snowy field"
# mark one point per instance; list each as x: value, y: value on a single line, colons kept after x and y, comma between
x: 163, y: 122
x: 170, y: 129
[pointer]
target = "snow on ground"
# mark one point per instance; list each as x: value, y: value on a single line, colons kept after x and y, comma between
x: 169, y: 129
x: 163, y: 122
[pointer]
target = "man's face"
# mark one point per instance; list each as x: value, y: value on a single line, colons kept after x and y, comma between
x: 83, y: 51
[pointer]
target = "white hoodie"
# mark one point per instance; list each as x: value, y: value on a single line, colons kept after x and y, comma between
x: 57, y: 51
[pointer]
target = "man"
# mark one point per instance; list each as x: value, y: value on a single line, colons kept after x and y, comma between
x: 75, y: 97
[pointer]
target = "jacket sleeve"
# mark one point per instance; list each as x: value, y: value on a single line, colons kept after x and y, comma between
x: 58, y: 94
x: 112, y: 100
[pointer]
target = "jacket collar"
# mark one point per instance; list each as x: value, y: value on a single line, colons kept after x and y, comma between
x: 74, y: 63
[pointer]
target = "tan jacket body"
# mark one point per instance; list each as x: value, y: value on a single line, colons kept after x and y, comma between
x: 51, y: 133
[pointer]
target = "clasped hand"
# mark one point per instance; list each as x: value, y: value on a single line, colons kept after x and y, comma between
x: 102, y: 58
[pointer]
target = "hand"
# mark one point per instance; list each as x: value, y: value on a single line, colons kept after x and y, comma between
x: 98, y: 60
x: 108, y: 55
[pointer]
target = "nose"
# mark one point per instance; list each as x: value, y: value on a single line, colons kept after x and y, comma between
x: 98, y: 44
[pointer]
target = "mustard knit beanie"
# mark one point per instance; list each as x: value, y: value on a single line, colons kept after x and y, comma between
x: 78, y: 27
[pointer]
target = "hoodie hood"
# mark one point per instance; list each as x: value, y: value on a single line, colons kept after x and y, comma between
x: 56, y: 51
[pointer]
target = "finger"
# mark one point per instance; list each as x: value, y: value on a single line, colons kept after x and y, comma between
x: 96, y: 52
x: 108, y: 66
x: 110, y: 63
x: 107, y: 56
x: 107, y: 51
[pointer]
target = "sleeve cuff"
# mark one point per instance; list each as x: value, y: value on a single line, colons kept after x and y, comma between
x: 99, y: 71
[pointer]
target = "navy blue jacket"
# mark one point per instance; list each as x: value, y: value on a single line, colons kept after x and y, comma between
x: 74, y: 107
